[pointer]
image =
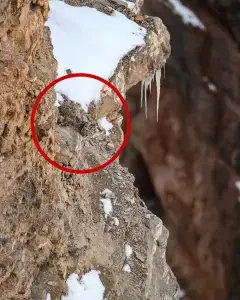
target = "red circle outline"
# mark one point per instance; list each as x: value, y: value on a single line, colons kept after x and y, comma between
x: 34, y: 135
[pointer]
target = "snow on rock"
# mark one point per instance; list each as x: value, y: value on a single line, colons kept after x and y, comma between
x: 89, y: 287
x: 88, y: 41
x: 130, y: 4
x: 186, y: 14
x: 128, y: 251
x: 180, y: 295
x: 116, y: 221
x: 107, y: 193
x: 237, y: 184
x: 126, y: 268
x: 107, y: 206
x: 48, y: 297
x: 59, y: 99
x: 107, y: 126
x: 212, y: 87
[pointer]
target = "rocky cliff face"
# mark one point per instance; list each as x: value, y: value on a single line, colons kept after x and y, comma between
x: 189, y: 160
x: 52, y: 223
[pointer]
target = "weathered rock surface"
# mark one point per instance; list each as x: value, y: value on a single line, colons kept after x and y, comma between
x: 52, y: 223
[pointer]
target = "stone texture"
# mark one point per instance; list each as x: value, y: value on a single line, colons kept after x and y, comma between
x: 52, y: 223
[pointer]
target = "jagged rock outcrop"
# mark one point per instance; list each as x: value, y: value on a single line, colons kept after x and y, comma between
x: 192, y: 153
x: 52, y: 223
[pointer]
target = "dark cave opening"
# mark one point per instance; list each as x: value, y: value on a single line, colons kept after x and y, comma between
x: 144, y: 184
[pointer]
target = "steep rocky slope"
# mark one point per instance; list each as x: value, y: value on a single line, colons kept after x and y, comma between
x: 187, y: 164
x: 52, y: 223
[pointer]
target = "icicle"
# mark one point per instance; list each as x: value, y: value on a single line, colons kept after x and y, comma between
x: 145, y: 97
x: 158, y: 84
x: 142, y: 85
x: 145, y: 85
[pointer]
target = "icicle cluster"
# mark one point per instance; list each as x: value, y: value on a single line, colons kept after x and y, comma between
x: 146, y: 85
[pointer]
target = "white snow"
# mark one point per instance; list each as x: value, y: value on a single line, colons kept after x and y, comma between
x: 59, y: 99
x: 130, y: 4
x: 107, y: 126
x: 180, y: 295
x: 107, y: 193
x: 48, y: 297
x: 116, y: 221
x: 107, y: 206
x: 88, y: 41
x: 126, y: 268
x: 186, y: 14
x: 128, y: 251
x: 89, y: 287
x: 148, y: 216
x: 212, y: 87
x: 237, y: 184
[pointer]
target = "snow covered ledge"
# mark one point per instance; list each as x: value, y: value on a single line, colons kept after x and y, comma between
x: 121, y: 46
x: 140, y: 64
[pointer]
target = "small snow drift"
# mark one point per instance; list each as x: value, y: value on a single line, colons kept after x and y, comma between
x: 48, y: 297
x: 186, y: 14
x: 128, y: 251
x: 107, y: 206
x: 89, y: 287
x: 88, y: 41
x: 237, y: 184
x: 127, y: 268
x: 107, y: 126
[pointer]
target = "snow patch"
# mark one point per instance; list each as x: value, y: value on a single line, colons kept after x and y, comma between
x: 237, y: 184
x: 212, y: 87
x: 128, y: 251
x: 59, y: 99
x: 83, y: 46
x: 126, y: 268
x: 89, y: 287
x: 116, y: 221
x: 107, y: 126
x: 186, y: 14
x: 107, y: 206
x: 107, y: 193
x: 180, y: 295
x: 48, y: 297
x: 130, y: 4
